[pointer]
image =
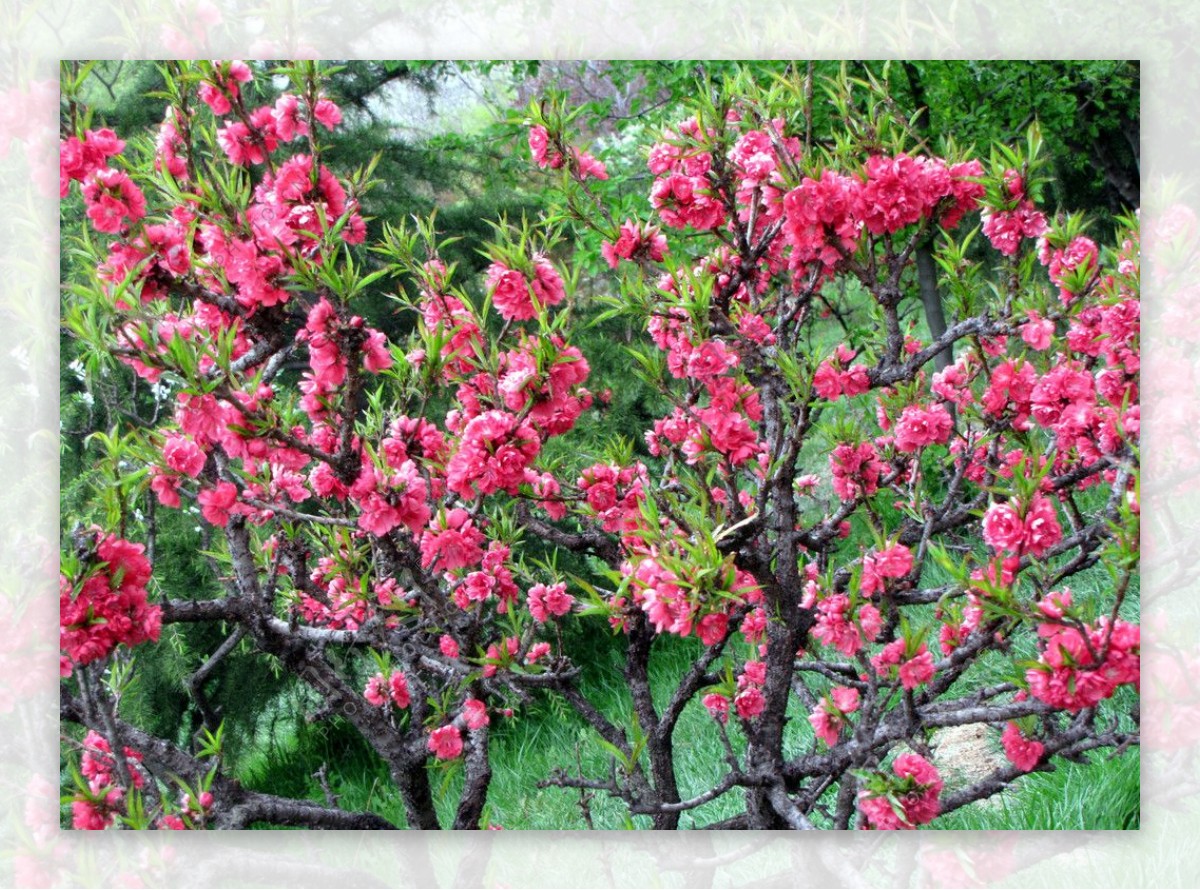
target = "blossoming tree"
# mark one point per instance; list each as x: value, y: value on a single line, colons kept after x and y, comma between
x: 855, y: 551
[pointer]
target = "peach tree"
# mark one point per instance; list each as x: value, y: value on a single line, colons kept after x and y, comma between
x: 853, y: 549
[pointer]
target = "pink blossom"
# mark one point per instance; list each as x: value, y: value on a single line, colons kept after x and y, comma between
x: 826, y: 726
x: 912, y: 671
x: 446, y: 742
x: 398, y: 690
x: 453, y: 542
x: 1071, y: 267
x: 717, y: 705
x: 539, y: 146
x: 79, y: 158
x: 217, y: 503
x: 109, y: 607
x: 376, y: 355
x: 289, y: 122
x: 375, y: 691
x: 1022, y: 752
x: 587, y: 166
x: 510, y: 293
x: 183, y: 455
x: 1070, y: 677
x: 1037, y: 332
x: 475, y: 714
x: 754, y: 625
x: 244, y: 146
x: 712, y: 628
x: 686, y: 201
x: 915, y: 786
x: 749, y: 703
x: 635, y: 243
x: 819, y: 220
x: 537, y: 652
x: 327, y: 114
x: 893, y: 562
x: 111, y: 199
x: 919, y: 427
x: 1003, y: 529
x: 494, y: 452
x: 845, y: 698
x: 754, y: 673
x: 545, y: 601
x: 1041, y: 528
x: 829, y: 716
x: 448, y: 646
x: 856, y: 470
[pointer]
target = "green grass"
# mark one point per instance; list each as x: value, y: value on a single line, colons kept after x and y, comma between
x: 1103, y: 793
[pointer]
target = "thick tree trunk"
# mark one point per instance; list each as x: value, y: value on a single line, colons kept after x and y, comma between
x: 931, y: 299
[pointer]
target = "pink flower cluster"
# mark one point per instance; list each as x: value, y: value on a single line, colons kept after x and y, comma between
x: 898, y: 659
x: 256, y: 273
x: 722, y: 428
x: 328, y: 335
x: 615, y: 493
x: 756, y: 157
x: 682, y: 193
x: 107, y: 605
x: 749, y: 701
x: 892, y: 562
x: 446, y: 742
x: 79, y: 158
x: 820, y: 225
x: 1024, y: 753
x: 520, y: 298
x: 447, y: 317
x: 295, y: 206
x: 839, y: 626
x: 394, y: 688
x: 1032, y: 530
x: 856, y: 470
x: 112, y: 200
x: 546, y: 156
x: 1072, y: 268
x: 493, y: 454
x: 717, y: 706
x: 390, y: 500
x: 475, y: 714
x: 452, y: 542
x: 155, y: 258
x: 1005, y: 227
x: 340, y: 603
x: 837, y: 378
x: 829, y: 716
x: 674, y: 602
x: 915, y: 786
x: 183, y: 455
x: 225, y: 84
x: 544, y: 601
x: 542, y: 378
x: 635, y: 243
x: 167, y: 148
x: 104, y: 802
x: 289, y: 121
x: 900, y: 191
x: 494, y: 579
x: 825, y: 217
x: 919, y: 427
x: 1077, y: 671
